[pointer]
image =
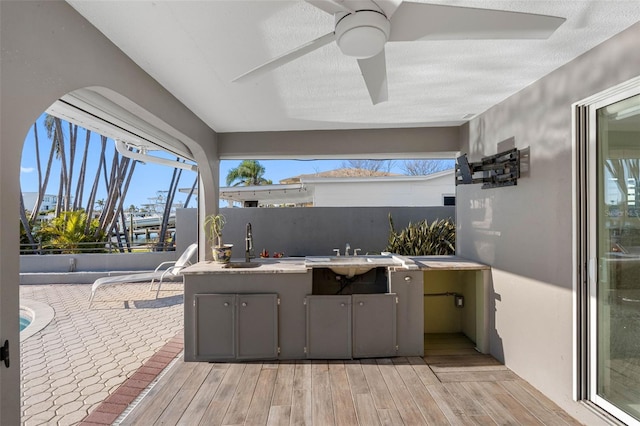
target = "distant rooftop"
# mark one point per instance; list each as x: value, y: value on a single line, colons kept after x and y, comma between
x: 338, y: 173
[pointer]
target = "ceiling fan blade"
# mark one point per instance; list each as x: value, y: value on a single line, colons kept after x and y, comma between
x: 287, y: 57
x: 331, y: 6
x: 420, y: 21
x: 374, y: 72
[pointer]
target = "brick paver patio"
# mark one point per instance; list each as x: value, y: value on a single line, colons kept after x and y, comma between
x: 83, y: 355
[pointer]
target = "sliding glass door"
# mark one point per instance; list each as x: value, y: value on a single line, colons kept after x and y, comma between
x: 614, y: 379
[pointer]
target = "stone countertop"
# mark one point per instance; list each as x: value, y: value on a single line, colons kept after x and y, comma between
x: 286, y: 265
x: 447, y: 263
x: 297, y: 265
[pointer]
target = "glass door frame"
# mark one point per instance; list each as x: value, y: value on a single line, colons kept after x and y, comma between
x: 586, y: 260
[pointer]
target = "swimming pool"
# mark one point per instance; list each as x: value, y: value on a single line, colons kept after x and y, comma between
x: 34, y: 316
x: 25, y: 319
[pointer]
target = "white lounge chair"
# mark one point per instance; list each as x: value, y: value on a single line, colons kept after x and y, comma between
x: 162, y: 273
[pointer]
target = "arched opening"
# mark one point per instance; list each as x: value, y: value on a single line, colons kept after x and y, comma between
x: 79, y: 356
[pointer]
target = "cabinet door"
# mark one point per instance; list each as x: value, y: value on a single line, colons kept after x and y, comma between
x: 409, y: 287
x: 214, y: 326
x: 374, y: 325
x: 329, y: 327
x: 257, y: 326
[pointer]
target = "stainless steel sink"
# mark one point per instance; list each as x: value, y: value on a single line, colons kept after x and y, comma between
x: 350, y: 266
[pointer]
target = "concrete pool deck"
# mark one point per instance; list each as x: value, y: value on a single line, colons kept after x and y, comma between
x: 83, y: 356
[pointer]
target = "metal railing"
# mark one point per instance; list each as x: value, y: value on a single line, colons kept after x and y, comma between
x: 93, y: 247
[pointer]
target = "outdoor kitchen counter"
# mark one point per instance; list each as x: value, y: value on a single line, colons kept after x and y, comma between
x: 260, y: 312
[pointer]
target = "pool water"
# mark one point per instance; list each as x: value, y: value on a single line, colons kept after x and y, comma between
x: 24, y: 322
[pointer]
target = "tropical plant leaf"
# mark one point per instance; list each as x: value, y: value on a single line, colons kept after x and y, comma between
x: 422, y: 238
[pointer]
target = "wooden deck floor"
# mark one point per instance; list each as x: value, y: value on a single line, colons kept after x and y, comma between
x: 452, y: 384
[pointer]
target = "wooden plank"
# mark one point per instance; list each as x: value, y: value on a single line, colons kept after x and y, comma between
x: 198, y: 406
x: 279, y: 415
x: 404, y: 402
x: 429, y: 351
x: 357, y: 381
x: 185, y: 395
x: 468, y: 405
x: 474, y: 362
x: 441, y: 344
x: 217, y: 408
x: 365, y: 392
x: 301, y: 405
x: 259, y: 408
x: 322, y: 405
x: 379, y: 391
x: 390, y: 417
x: 239, y: 406
x: 366, y: 412
x: 302, y: 375
x: 485, y: 394
x: 535, y: 393
x: 425, y: 402
x: 343, y: 407
x: 544, y: 409
x: 284, y: 384
x: 477, y: 376
x: 159, y: 397
x: 448, y: 340
x: 423, y: 371
x: 482, y: 420
x: 450, y: 406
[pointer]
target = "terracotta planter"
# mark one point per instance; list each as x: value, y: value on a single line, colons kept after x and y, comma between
x: 222, y: 254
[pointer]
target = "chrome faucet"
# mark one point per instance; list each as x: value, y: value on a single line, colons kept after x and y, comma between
x: 248, y: 245
x: 346, y: 249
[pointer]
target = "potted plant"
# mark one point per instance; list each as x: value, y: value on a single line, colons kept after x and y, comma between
x: 213, y: 226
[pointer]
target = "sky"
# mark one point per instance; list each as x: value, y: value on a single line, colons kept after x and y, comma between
x: 148, y: 178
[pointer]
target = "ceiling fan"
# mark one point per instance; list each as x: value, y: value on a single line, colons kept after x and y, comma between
x: 363, y: 27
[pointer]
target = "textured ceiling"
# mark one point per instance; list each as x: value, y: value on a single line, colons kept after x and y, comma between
x: 195, y: 49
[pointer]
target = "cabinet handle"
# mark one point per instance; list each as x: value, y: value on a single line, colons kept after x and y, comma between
x: 226, y: 303
x: 244, y: 303
x: 361, y: 303
x: 342, y: 304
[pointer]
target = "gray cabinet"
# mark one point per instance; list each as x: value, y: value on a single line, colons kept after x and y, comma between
x: 409, y: 286
x: 235, y: 326
x: 328, y: 327
x: 374, y: 325
x: 358, y: 326
x: 215, y: 326
x: 257, y: 326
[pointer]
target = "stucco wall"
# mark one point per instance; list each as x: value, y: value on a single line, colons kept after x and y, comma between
x: 49, y: 50
x: 316, y: 231
x: 384, y: 192
x: 525, y: 232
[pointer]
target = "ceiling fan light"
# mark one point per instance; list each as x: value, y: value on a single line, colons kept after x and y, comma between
x: 362, y: 34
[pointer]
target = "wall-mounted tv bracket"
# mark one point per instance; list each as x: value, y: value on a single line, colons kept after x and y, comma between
x: 497, y: 170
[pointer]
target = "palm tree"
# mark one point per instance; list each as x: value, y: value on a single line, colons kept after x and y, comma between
x: 42, y: 182
x: 83, y: 170
x: 249, y: 172
x: 92, y: 202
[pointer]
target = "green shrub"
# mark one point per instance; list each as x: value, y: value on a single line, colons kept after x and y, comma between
x: 67, y: 233
x: 423, y: 239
